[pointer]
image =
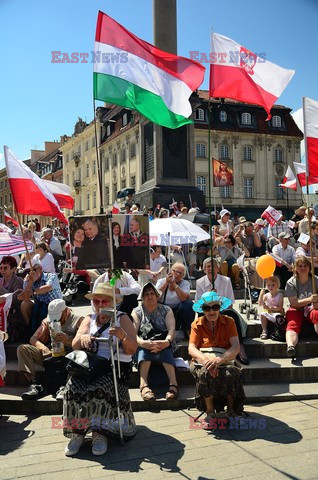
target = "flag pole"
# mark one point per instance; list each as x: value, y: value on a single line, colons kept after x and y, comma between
x: 209, y: 186
x: 287, y: 200
x: 313, y: 282
x: 98, y: 163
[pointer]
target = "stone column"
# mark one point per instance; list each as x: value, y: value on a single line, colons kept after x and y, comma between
x: 165, y: 25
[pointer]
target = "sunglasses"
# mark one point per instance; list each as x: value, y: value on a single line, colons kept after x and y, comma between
x: 208, y: 308
x: 101, y: 301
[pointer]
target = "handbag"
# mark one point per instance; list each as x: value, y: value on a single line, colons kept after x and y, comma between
x: 86, y: 366
x: 213, y: 352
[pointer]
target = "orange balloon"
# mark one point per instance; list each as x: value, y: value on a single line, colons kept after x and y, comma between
x: 265, y: 266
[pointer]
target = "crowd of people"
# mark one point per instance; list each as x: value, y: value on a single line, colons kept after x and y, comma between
x: 153, y: 311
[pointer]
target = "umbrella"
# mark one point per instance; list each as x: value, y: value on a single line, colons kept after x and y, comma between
x: 124, y: 192
x: 175, y: 231
x: 202, y: 218
x: 13, y: 245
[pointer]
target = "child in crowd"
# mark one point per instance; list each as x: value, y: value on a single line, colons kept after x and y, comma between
x: 272, y: 302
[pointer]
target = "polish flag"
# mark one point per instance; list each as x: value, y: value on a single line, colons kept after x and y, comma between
x: 271, y: 215
x: 300, y: 169
x: 116, y: 208
x: 30, y: 194
x: 236, y: 72
x: 310, y: 109
x: 289, y: 180
x: 7, y: 218
x: 62, y: 194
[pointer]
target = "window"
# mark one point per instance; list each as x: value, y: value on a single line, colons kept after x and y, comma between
x: 223, y: 116
x: 108, y: 131
x: 201, y: 183
x: 94, y: 200
x: 133, y: 181
x: 86, y: 146
x: 94, y: 167
x: 87, y: 202
x: 248, y: 187
x: 123, y: 184
x: 123, y: 155
x: 87, y: 170
x: 5, y: 199
x: 199, y: 114
x: 133, y: 150
x: 225, y: 192
x: 115, y: 159
x: 106, y: 195
x: 246, y: 118
x: 279, y: 155
x: 247, y: 153
x: 107, y: 164
x: 224, y: 152
x: 280, y: 192
x: 200, y: 150
x: 276, y: 121
x: 115, y: 190
x: 125, y: 119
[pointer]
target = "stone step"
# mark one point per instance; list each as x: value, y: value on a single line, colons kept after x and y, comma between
x: 12, y: 404
x: 268, y: 369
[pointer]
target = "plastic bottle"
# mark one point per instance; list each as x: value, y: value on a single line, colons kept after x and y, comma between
x: 58, y: 349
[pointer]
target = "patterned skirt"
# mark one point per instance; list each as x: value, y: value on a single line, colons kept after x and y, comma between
x: 227, y: 383
x: 92, y: 406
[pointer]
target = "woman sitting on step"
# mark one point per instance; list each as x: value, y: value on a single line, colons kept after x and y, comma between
x: 155, y: 327
x: 303, y: 302
x: 213, y: 346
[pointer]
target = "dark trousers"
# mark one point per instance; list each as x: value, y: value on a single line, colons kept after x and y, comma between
x: 233, y: 314
x: 184, y: 315
x: 283, y: 274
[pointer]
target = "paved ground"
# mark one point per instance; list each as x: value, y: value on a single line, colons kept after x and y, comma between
x: 166, y: 447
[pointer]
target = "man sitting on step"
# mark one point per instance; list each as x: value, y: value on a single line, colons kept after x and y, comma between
x: 34, y: 353
x: 223, y: 286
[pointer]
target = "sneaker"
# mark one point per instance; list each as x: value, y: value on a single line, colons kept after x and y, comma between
x: 291, y: 352
x: 60, y: 394
x: 73, y: 446
x: 33, y: 392
x: 99, y: 444
x: 209, y: 423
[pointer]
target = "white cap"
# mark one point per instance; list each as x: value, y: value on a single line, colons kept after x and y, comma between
x: 36, y: 260
x: 224, y: 212
x: 55, y: 309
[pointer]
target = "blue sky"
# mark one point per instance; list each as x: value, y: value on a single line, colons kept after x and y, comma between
x: 41, y: 100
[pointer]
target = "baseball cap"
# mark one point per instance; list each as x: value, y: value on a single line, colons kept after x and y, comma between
x: 224, y: 212
x: 284, y: 235
x: 55, y: 309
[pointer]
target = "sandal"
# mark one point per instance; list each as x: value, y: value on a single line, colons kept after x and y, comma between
x: 147, y: 396
x: 263, y: 335
x: 172, y: 394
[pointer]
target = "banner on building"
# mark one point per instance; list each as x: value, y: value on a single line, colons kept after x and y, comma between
x: 222, y: 174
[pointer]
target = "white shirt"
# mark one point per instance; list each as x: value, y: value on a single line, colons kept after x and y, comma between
x: 172, y: 299
x: 222, y: 286
x: 287, y: 254
x: 126, y: 283
x: 157, y: 263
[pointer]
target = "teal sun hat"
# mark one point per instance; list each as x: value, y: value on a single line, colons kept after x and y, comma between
x: 211, y: 297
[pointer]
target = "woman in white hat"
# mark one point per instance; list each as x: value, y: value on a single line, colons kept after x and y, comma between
x: 92, y: 406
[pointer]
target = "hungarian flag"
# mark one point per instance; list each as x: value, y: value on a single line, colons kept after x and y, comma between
x: 301, y: 173
x: 135, y: 74
x: 7, y: 218
x: 271, y: 215
x: 62, y: 194
x: 30, y: 194
x: 310, y: 110
x: 238, y: 73
x: 116, y: 208
x: 289, y: 180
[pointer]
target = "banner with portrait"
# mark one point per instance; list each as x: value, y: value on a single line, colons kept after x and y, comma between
x: 130, y: 235
x: 89, y: 247
x: 222, y: 173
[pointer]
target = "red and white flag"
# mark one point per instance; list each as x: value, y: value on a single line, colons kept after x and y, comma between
x: 116, y: 207
x: 238, y: 73
x: 4, y: 310
x: 62, y: 193
x: 289, y: 180
x: 301, y: 173
x: 30, y: 194
x: 8, y: 218
x: 310, y: 109
x: 271, y: 215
